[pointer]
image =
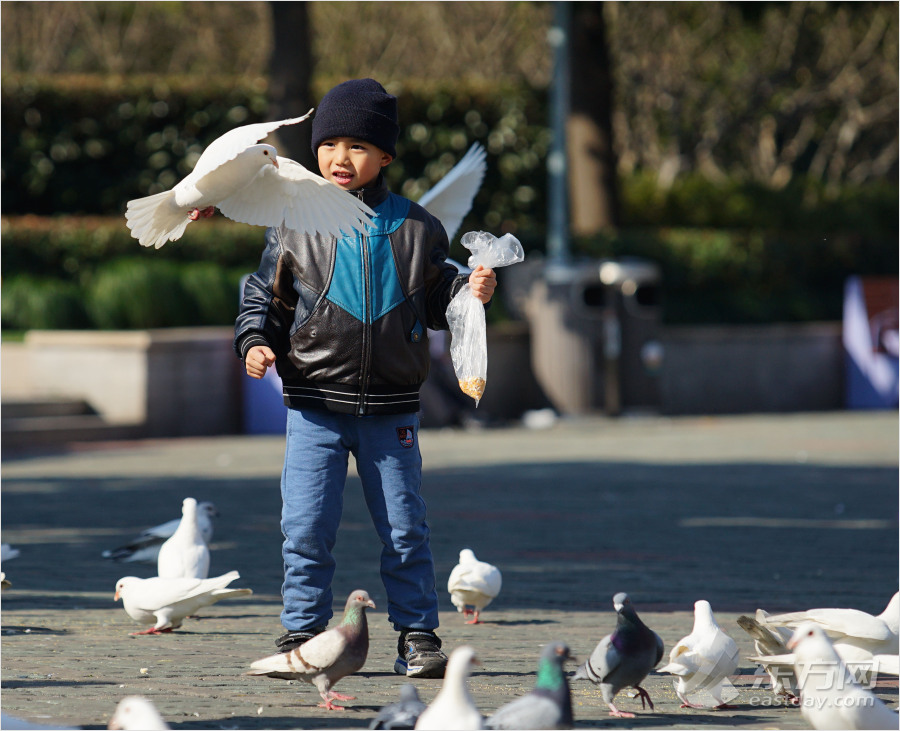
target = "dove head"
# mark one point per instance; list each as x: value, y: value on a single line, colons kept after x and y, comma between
x: 703, y: 614
x: 136, y: 712
x: 467, y: 555
x: 809, y: 642
x: 255, y: 158
x: 208, y: 508
x: 359, y: 599
x: 620, y: 601
x: 188, y: 506
x: 122, y: 585
x: 461, y: 661
x: 891, y: 614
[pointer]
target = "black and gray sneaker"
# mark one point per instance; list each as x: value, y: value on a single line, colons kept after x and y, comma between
x: 292, y: 640
x: 419, y: 655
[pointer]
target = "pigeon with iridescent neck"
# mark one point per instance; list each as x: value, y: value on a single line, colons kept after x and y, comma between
x: 624, y: 658
x: 549, y: 704
x: 329, y: 656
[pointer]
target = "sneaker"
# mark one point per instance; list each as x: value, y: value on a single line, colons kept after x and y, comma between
x: 419, y: 655
x: 292, y: 640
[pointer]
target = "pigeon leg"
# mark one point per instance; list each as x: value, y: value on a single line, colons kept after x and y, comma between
x: 613, y: 711
x: 644, y: 694
x: 204, y: 212
x: 475, y: 620
x: 685, y: 703
x: 725, y: 707
x: 334, y: 695
x: 328, y: 705
x: 151, y: 631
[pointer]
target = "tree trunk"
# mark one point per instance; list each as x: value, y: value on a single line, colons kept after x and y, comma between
x: 290, y: 71
x: 592, y: 163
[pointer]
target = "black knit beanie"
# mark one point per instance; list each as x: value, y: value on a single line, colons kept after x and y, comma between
x: 358, y: 108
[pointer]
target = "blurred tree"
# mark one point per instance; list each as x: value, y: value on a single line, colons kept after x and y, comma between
x: 592, y: 161
x: 290, y: 75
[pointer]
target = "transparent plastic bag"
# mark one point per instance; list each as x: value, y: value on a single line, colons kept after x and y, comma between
x: 465, y: 314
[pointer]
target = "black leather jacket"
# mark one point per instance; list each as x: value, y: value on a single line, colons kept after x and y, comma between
x: 347, y: 317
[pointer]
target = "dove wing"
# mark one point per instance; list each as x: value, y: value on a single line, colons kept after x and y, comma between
x: 605, y: 658
x: 323, y: 650
x: 451, y: 198
x: 294, y: 197
x: 483, y: 578
x: 229, y: 145
x: 837, y: 623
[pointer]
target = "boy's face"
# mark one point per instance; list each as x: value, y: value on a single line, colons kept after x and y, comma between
x: 350, y: 163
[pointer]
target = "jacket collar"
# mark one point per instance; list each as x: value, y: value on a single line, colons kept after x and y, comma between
x: 375, y: 194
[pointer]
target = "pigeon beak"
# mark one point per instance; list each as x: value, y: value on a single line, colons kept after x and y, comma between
x: 370, y: 604
x: 791, y: 644
x: 117, y: 596
x: 618, y: 607
x: 275, y: 162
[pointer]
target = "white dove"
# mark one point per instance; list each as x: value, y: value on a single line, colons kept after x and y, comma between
x: 185, y: 554
x: 249, y: 183
x: 703, y: 660
x: 473, y: 584
x: 453, y: 707
x: 144, y: 548
x: 862, y: 664
x: 451, y: 198
x: 169, y: 601
x: 831, y: 699
x: 136, y: 713
x: 877, y: 634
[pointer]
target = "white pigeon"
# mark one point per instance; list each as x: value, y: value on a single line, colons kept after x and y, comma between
x: 166, y: 602
x: 185, y: 554
x: 451, y: 198
x: 249, y: 183
x: 862, y: 664
x: 831, y: 699
x: 877, y: 634
x: 136, y: 713
x: 703, y: 661
x: 144, y: 548
x: 473, y: 584
x: 453, y: 708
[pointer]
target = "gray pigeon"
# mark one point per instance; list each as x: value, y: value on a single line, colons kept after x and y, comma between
x: 327, y: 657
x: 624, y: 658
x: 402, y: 714
x: 145, y: 546
x: 549, y: 704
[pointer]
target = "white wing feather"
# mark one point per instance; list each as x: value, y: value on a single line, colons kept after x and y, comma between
x: 451, y: 198
x: 293, y: 196
x: 235, y: 141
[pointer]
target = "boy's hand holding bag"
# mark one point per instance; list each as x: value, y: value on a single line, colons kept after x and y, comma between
x: 465, y: 314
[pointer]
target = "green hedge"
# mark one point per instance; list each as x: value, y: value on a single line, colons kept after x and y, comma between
x: 70, y: 272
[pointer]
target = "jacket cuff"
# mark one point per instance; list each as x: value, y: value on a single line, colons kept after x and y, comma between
x: 250, y: 340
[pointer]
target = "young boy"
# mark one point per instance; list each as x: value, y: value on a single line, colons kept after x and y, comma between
x: 344, y: 322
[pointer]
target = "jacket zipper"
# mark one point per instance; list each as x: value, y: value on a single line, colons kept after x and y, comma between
x: 367, y: 325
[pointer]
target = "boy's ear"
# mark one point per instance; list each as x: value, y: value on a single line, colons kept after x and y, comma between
x: 386, y: 159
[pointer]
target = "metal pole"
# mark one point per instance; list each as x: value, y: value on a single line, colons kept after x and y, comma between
x: 557, y: 167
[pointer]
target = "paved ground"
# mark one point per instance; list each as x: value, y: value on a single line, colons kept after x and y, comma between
x: 782, y: 512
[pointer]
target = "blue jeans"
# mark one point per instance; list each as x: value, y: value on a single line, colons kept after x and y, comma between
x: 389, y: 463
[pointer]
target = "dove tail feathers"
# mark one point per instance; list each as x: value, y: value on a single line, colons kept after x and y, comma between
x: 156, y: 219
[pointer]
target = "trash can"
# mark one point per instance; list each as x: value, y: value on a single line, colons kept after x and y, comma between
x: 595, y: 328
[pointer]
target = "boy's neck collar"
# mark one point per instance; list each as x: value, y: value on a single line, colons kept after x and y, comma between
x: 374, y: 193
